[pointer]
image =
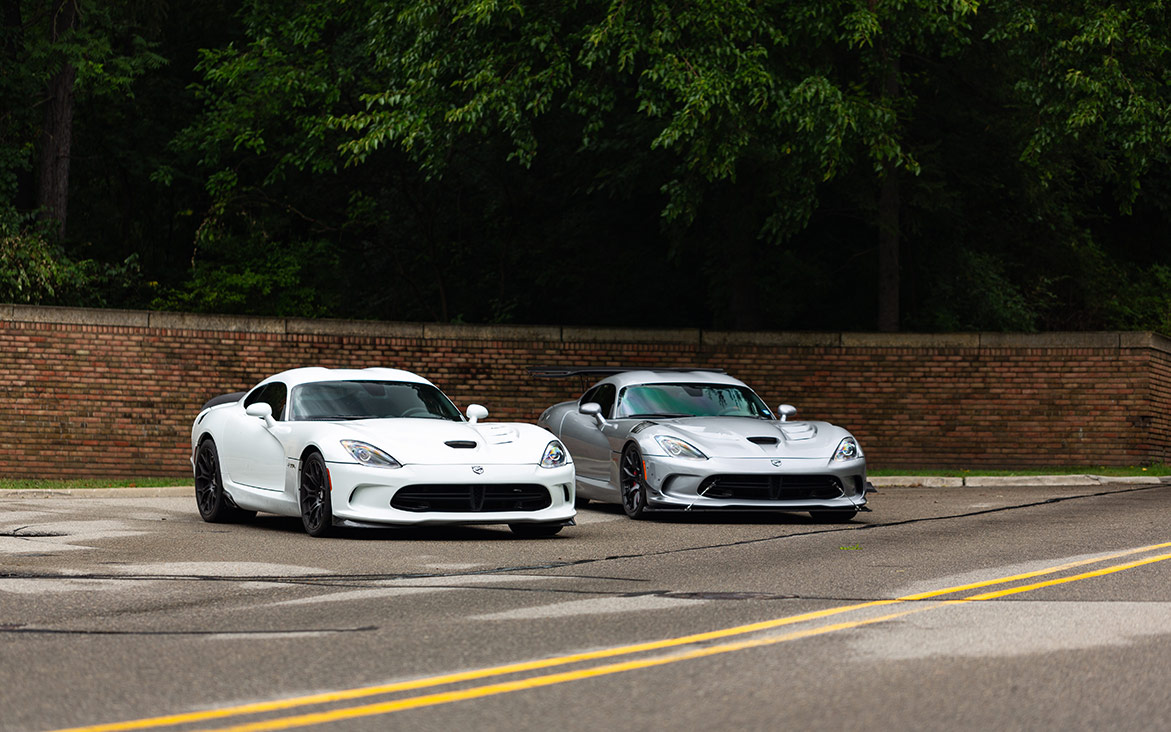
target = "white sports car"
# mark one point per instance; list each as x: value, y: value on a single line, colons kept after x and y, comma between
x: 677, y: 439
x: 374, y: 447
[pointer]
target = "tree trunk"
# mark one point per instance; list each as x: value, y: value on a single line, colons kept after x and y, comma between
x: 57, y: 136
x: 889, y: 238
x: 888, y: 252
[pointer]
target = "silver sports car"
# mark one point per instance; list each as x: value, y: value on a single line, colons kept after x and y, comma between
x: 674, y: 439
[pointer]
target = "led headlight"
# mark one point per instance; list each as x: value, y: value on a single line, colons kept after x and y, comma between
x: 847, y: 450
x: 677, y: 448
x: 367, y: 454
x: 555, y: 455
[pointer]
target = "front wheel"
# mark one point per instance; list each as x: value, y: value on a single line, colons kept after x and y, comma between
x: 832, y: 517
x: 535, y: 531
x: 214, y: 504
x: 314, y: 497
x: 632, y: 475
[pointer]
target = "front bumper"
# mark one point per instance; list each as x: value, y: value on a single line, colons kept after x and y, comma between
x: 363, y: 494
x: 755, y: 484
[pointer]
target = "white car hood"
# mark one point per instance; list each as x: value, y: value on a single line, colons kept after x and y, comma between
x: 425, y: 441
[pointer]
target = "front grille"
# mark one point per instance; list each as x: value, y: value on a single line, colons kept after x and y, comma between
x: 475, y: 498
x: 771, y: 487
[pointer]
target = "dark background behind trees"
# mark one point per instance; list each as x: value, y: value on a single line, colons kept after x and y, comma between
x: 728, y: 164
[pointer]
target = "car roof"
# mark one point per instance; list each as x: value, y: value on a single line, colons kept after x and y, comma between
x: 312, y: 374
x: 652, y: 376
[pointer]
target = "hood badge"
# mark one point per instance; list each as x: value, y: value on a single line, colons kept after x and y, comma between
x: 478, y: 469
x: 776, y: 463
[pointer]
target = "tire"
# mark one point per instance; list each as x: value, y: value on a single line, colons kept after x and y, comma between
x: 535, y: 531
x: 214, y: 505
x: 313, y: 495
x: 632, y: 483
x: 832, y: 517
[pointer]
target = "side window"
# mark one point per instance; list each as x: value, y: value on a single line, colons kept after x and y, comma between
x: 256, y: 395
x: 588, y: 396
x: 273, y: 394
x: 276, y: 395
x: 605, y: 398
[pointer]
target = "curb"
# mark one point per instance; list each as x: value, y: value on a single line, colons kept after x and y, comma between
x: 1006, y: 481
x: 175, y: 491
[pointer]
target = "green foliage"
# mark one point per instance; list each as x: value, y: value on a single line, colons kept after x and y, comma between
x: 710, y: 164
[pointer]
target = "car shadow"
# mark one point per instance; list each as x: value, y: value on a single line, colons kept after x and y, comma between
x: 463, y: 533
x: 742, y: 518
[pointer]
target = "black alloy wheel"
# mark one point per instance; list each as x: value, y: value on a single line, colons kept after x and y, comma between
x: 314, y: 496
x: 214, y: 505
x: 632, y: 477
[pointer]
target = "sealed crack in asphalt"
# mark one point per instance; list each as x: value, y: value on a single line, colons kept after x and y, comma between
x: 337, y: 580
x: 20, y: 629
x: 22, y: 533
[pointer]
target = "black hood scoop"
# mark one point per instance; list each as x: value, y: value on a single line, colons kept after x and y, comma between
x: 461, y: 444
x: 763, y: 440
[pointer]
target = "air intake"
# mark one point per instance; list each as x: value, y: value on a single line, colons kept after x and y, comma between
x: 461, y: 444
x: 763, y: 440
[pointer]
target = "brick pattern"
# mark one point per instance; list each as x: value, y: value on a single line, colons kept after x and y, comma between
x: 90, y: 394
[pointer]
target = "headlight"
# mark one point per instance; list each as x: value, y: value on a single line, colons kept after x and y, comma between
x: 847, y: 450
x: 555, y: 455
x: 678, y: 448
x: 369, y: 455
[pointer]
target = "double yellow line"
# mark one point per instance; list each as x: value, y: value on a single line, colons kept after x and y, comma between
x: 415, y: 702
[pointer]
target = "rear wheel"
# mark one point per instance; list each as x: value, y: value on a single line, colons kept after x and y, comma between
x: 314, y: 496
x: 535, y: 531
x: 832, y: 517
x: 214, y: 504
x: 632, y: 475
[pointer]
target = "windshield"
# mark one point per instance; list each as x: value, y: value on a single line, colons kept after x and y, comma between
x: 332, y: 400
x: 690, y: 400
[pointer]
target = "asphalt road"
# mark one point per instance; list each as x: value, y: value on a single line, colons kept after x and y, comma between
x: 1027, y: 608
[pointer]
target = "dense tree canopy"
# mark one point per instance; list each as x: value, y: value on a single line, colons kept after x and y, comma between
x: 913, y: 164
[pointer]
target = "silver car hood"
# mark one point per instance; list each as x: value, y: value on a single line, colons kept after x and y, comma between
x: 732, y: 437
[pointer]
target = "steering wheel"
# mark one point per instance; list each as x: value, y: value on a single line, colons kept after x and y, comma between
x: 413, y: 411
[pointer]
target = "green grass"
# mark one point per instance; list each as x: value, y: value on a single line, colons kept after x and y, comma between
x: 1135, y: 470
x: 35, y: 484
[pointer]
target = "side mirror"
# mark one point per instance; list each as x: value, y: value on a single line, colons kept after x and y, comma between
x: 476, y: 412
x: 786, y: 411
x: 593, y: 409
x: 260, y: 410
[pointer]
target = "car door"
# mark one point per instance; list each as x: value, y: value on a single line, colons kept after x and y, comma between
x: 588, y: 443
x: 252, y: 455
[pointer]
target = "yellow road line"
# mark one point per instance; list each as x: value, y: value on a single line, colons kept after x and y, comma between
x: 551, y: 679
x: 1062, y: 580
x: 428, y: 700
x: 481, y: 673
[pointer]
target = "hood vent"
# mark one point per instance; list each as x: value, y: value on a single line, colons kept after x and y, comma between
x: 461, y: 444
x: 763, y: 440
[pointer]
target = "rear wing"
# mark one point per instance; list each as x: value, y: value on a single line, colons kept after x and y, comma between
x: 223, y: 399
x: 562, y: 372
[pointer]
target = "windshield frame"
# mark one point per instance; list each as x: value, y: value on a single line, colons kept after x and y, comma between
x: 756, y: 405
x: 429, y: 396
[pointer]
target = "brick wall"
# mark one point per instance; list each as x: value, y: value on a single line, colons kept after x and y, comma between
x: 112, y: 393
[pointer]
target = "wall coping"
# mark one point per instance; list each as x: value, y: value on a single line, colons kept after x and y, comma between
x: 574, y: 334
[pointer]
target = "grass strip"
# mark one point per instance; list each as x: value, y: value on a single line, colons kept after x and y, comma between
x: 88, y: 483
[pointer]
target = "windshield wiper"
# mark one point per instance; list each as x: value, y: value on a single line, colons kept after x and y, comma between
x: 656, y: 414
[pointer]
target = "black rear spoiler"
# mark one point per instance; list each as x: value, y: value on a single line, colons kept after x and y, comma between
x: 224, y: 399
x: 561, y: 372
